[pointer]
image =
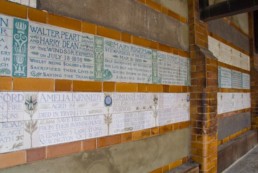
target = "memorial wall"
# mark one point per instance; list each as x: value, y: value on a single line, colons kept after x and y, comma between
x: 233, y: 98
x: 233, y: 74
x: 36, y: 119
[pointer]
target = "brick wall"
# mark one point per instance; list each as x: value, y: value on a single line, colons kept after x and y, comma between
x: 204, y: 73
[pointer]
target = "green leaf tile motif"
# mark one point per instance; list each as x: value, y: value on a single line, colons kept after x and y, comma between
x: 20, y: 47
x: 99, y: 58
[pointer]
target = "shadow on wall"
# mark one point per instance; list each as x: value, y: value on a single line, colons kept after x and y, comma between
x: 256, y: 62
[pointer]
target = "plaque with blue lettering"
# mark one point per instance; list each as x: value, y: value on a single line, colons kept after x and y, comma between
x: 6, y: 39
x: 236, y: 79
x: 127, y: 63
x: 60, y: 53
x: 224, y: 78
x: 246, y: 81
x: 156, y: 78
x: 169, y: 68
x: 116, y: 61
x: 184, y: 68
x: 141, y: 64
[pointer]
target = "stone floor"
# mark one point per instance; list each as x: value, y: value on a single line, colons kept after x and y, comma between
x: 247, y: 164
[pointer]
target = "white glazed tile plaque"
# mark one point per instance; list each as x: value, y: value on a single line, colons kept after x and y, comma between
x: 228, y: 102
x: 30, y: 119
x: 236, y: 79
x: 225, y: 102
x: 165, y: 116
x: 60, y: 53
x: 132, y: 121
x: 12, y: 104
x: 6, y: 38
x: 127, y: 63
x: 19, y: 106
x: 183, y: 113
x: 68, y: 129
x: 11, y: 136
x: 173, y: 108
x: 57, y: 105
x: 130, y: 102
x: 224, y: 78
x: 17, y: 1
x: 141, y: 60
x: 116, y: 60
x: 168, y: 108
x: 168, y: 66
x: 184, y: 71
x: 246, y: 81
x: 245, y: 62
x: 236, y: 58
x: 61, y: 130
x: 246, y: 100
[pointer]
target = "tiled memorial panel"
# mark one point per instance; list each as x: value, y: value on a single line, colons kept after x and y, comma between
x: 29, y: 120
x: 31, y: 3
x: 236, y: 79
x: 59, y: 54
x: 228, y: 55
x: 44, y: 51
x: 233, y: 79
x: 225, y: 78
x: 229, y: 102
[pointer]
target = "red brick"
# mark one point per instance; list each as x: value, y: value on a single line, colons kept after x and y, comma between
x: 36, y: 154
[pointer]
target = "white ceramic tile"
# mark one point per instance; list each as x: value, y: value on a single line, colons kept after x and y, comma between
x: 246, y: 81
x: 168, y: 66
x: 225, y: 77
x: 141, y: 64
x: 213, y: 45
x: 228, y: 55
x: 236, y: 60
x: 132, y: 121
x: 52, y: 118
x: 228, y: 102
x: 60, y: 53
x: 6, y: 38
x: 129, y: 102
x: 116, y: 58
x: 17, y: 1
x: 246, y: 100
x: 14, y: 104
x: 25, y: 2
x: 245, y: 62
x: 127, y: 63
x: 33, y: 3
x: 184, y: 71
x: 236, y: 79
x: 11, y: 136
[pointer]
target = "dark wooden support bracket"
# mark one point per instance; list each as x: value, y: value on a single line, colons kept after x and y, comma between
x: 226, y: 8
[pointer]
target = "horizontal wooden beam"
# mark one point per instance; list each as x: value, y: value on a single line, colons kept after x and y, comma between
x: 227, y: 8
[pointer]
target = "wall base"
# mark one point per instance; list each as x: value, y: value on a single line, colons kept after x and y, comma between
x: 233, y: 150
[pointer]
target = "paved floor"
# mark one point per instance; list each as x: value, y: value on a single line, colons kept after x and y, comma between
x: 247, y: 164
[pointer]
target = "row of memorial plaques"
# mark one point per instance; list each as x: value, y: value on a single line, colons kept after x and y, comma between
x: 29, y: 49
x: 30, y: 119
x: 228, y: 55
x: 229, y: 102
x: 233, y: 79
